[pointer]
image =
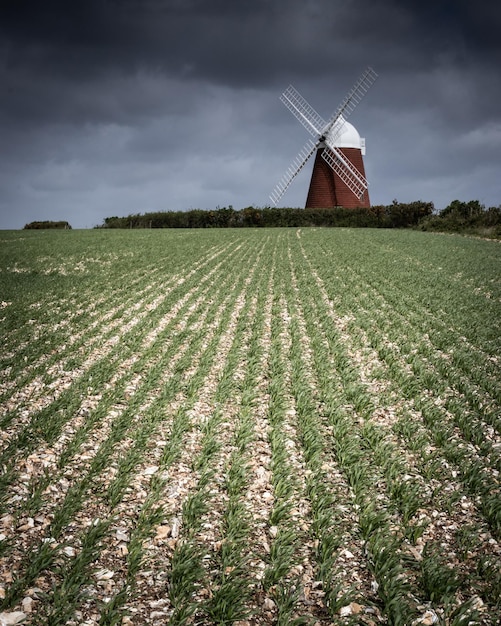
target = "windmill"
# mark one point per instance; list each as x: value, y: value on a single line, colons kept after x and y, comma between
x: 338, y: 177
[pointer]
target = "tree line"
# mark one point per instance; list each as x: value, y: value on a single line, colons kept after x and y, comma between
x: 395, y: 215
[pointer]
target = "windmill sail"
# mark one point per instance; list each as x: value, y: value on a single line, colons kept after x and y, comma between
x: 349, y: 174
x: 305, y: 113
x: 355, y: 95
x: 295, y: 167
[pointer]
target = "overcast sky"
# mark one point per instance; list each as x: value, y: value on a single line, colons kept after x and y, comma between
x: 111, y: 107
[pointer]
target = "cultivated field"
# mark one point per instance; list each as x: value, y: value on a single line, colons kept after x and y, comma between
x: 249, y: 427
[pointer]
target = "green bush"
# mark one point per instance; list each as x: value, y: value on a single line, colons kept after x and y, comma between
x: 466, y: 217
x: 47, y: 224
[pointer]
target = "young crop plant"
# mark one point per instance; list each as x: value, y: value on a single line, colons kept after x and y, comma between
x: 185, y: 575
x: 287, y: 597
x: 440, y: 582
x: 74, y: 575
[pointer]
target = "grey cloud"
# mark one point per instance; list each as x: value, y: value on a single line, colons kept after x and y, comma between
x: 125, y: 105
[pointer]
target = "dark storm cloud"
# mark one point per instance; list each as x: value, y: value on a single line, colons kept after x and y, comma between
x: 111, y: 105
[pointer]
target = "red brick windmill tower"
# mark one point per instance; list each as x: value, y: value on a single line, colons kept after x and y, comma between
x: 338, y: 177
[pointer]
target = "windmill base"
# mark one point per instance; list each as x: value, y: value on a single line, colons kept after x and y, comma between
x: 328, y: 191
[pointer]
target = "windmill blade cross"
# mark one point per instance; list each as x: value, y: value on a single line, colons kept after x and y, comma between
x: 293, y: 170
x: 303, y: 111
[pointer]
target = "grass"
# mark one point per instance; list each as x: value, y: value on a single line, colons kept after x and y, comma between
x: 250, y: 426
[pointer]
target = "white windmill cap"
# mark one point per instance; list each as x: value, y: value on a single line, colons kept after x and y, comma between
x: 348, y: 136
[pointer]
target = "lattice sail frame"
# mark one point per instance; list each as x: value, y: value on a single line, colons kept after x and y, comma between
x: 325, y: 134
x: 293, y: 170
